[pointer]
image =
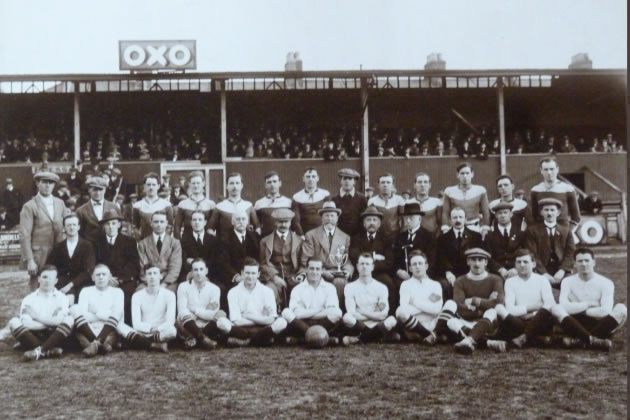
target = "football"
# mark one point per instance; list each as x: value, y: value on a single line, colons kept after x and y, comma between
x: 316, y: 337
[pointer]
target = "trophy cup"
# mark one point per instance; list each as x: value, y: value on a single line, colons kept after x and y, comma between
x: 339, y: 258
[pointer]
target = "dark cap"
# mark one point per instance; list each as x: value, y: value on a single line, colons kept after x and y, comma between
x: 502, y: 206
x: 371, y: 211
x: 111, y: 215
x: 412, y: 209
x: 348, y: 173
x: 547, y: 201
x: 477, y: 252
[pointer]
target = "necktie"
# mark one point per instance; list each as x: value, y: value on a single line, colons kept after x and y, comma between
x: 159, y: 244
x: 371, y: 237
x: 459, y: 240
x: 506, y: 236
x: 330, y: 238
x: 241, y: 238
x: 410, y: 236
x: 550, y: 231
x: 111, y: 241
x: 199, y: 240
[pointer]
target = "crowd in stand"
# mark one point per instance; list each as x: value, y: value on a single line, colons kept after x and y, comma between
x: 328, y: 142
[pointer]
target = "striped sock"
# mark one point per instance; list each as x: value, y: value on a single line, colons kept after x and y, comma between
x: 57, y: 337
x: 412, y: 324
x: 26, y: 338
x: 108, y: 328
x: 441, y: 327
x: 84, y: 328
x: 139, y: 341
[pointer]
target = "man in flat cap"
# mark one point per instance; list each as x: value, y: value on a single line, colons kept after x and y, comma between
x: 471, y: 316
x: 120, y: 254
x: 503, y: 240
x: 331, y: 245
x: 551, y: 243
x: 41, y: 225
x: 349, y: 201
x: 91, y: 213
x: 280, y: 256
x: 373, y: 241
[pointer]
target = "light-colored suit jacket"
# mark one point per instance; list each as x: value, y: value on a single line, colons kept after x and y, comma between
x: 90, y: 227
x: 169, y: 260
x: 316, y: 245
x: 38, y: 232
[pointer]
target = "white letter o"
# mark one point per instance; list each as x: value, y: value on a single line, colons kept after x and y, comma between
x: 134, y: 62
x: 172, y: 55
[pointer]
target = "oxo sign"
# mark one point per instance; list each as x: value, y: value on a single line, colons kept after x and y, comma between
x: 157, y: 55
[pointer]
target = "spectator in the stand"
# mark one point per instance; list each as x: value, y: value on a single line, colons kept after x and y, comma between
x: 221, y: 219
x: 581, y: 146
x: 592, y: 204
x: 567, y: 146
x: 12, y: 200
x: 6, y: 223
x: 466, y: 151
x: 595, y: 146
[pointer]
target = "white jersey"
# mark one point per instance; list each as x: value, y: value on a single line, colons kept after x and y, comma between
x: 152, y: 311
x: 204, y: 300
x: 99, y: 305
x: 361, y: 297
x: 53, y: 305
x: 424, y: 297
x: 242, y: 301
x: 575, y: 291
x: 305, y: 296
x: 522, y: 294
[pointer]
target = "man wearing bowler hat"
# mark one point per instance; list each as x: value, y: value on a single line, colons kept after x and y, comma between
x: 120, y: 254
x: 349, y: 201
x: 91, y: 213
x: 331, y: 245
x: 41, y: 225
x: 373, y: 241
x: 412, y: 237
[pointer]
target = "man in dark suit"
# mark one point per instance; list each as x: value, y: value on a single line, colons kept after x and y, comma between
x: 551, y: 243
x: 413, y: 237
x: 238, y: 244
x: 503, y: 241
x: 280, y: 253
x: 74, y: 259
x: 12, y: 200
x: 328, y: 241
x: 197, y: 243
x: 120, y: 254
x: 451, y: 246
x: 349, y: 201
x: 373, y: 241
x: 91, y: 213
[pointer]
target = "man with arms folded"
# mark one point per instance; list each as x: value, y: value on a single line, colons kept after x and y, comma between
x: 98, y: 313
x: 526, y: 316
x: 587, y: 312
x: 253, y: 315
x: 44, y: 322
x: 471, y: 314
x: 367, y: 306
x: 152, y: 314
x: 198, y: 311
x: 313, y: 302
x: 308, y: 200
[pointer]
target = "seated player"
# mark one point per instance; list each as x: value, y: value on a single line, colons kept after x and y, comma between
x: 198, y: 311
x: 313, y: 302
x: 367, y: 306
x: 253, y: 315
x: 98, y: 313
x: 474, y: 297
x: 503, y: 240
x: 551, y: 243
x: 152, y: 314
x: 526, y: 316
x: 586, y: 311
x: 44, y: 322
x: 420, y: 301
x: 161, y: 249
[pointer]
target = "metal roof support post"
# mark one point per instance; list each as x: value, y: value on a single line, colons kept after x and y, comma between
x: 365, y: 135
x: 223, y: 123
x: 77, y: 124
x: 500, y: 100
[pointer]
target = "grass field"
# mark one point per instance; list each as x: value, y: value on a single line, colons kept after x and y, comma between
x: 370, y: 381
